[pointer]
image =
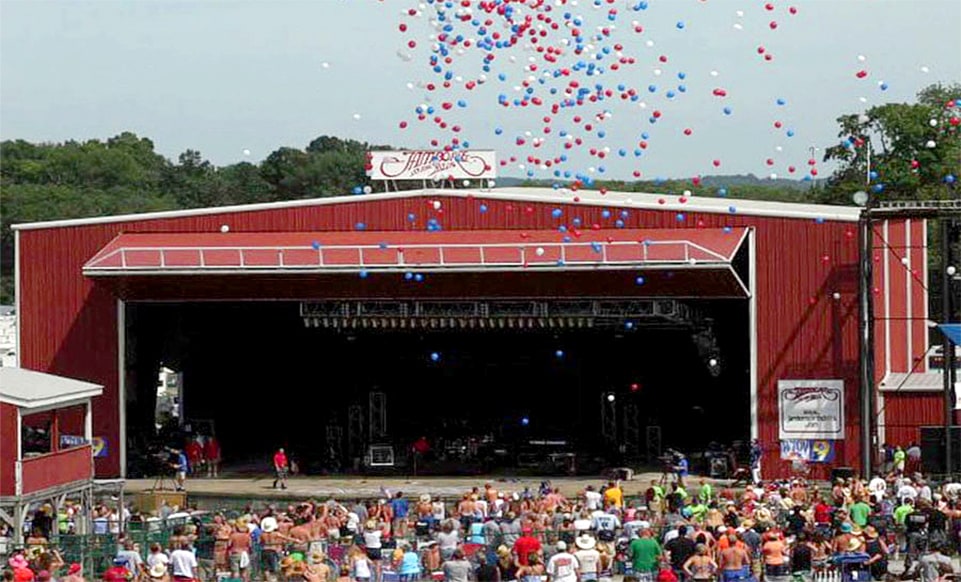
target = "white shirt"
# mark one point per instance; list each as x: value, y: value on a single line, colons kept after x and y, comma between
x: 562, y: 567
x: 582, y: 524
x: 592, y: 499
x: 908, y: 492
x: 605, y: 521
x: 877, y: 487
x: 437, y: 510
x: 952, y: 490
x: 182, y: 563
x: 925, y: 492
x: 588, y: 560
x: 372, y: 539
x: 158, y: 558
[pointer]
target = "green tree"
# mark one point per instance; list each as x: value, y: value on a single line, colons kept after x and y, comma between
x: 914, y: 149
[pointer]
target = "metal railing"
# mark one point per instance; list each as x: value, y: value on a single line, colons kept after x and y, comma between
x: 379, y: 256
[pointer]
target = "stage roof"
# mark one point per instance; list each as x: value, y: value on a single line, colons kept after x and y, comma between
x: 360, y: 251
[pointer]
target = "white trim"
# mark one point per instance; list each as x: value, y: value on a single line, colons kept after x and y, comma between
x: 18, y: 475
x: 122, y: 385
x: 88, y: 421
x: 908, y: 304
x: 927, y: 303
x: 16, y: 297
x: 752, y: 330
x: 887, y: 254
x: 638, y: 200
x: 75, y: 401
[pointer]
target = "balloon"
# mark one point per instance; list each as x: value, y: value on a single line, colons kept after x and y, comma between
x: 363, y: 273
x: 539, y: 251
x: 639, y: 280
x: 525, y: 421
x: 315, y: 245
x: 559, y: 353
x: 246, y: 152
x: 483, y: 208
x: 434, y: 356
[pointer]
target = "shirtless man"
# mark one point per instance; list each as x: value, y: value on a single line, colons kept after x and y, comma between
x: 272, y: 541
x: 238, y: 551
x: 300, y: 536
x: 735, y: 562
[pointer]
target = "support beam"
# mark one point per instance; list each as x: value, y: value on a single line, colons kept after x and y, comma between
x: 868, y: 385
x: 947, y: 347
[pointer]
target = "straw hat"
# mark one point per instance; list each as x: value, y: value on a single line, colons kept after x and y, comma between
x: 854, y: 544
x: 425, y: 498
x: 158, y: 570
x: 585, y: 542
x: 503, y: 551
x: 870, y: 532
x: 317, y: 557
x: 268, y: 524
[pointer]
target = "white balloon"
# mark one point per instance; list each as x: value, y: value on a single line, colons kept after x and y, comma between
x: 539, y: 251
x: 862, y: 58
x: 714, y: 73
x: 246, y: 152
x: 357, y: 116
x: 931, y: 144
x: 368, y: 189
x: 836, y: 295
x: 933, y: 122
x: 925, y: 70
x: 224, y: 228
x: 466, y: 182
x: 325, y: 65
x: 436, y: 204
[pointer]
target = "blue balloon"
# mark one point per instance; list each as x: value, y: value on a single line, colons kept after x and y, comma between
x: 722, y: 191
x: 884, y: 86
x: 728, y: 230
x: 950, y: 179
x: 559, y: 353
x: 360, y: 226
x: 732, y: 209
x: 605, y: 213
x: 790, y: 133
x: 556, y: 213
x: 680, y: 25
x: 728, y: 111
x: 316, y: 245
x: 411, y: 217
x: 363, y: 274
x: 434, y: 356
x: 483, y: 208
x: 781, y: 101
x: 680, y: 217
x: 418, y: 277
x: 819, y: 220
x: 629, y: 324
x: 639, y: 280
x: 357, y: 190
x: 408, y: 276
x: 525, y: 421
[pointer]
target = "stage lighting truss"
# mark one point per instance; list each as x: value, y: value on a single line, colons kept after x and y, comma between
x: 501, y: 314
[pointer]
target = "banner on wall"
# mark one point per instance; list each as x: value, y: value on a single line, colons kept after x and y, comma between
x: 98, y: 445
x: 811, y: 409
x: 431, y: 165
x: 807, y: 450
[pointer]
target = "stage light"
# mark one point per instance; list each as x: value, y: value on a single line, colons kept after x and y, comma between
x: 635, y: 387
x: 712, y: 362
x: 610, y: 397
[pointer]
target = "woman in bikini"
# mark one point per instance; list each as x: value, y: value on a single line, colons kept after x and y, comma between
x: 700, y: 566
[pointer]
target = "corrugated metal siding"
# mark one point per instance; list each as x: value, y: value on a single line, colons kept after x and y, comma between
x: 905, y: 412
x: 69, y: 325
x: 8, y: 448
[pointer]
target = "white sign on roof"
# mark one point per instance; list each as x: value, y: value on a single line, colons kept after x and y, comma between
x: 432, y: 165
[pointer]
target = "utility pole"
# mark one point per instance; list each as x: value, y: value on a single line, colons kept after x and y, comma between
x: 947, y: 347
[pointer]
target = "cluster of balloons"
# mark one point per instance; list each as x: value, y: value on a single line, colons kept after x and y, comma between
x: 572, y: 71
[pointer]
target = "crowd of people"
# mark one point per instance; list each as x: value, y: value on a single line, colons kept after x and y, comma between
x: 664, y: 531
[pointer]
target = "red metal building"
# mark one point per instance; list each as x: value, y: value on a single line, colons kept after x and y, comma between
x: 74, y: 277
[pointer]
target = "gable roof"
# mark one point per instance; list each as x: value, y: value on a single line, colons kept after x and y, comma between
x: 29, y: 389
x: 636, y: 200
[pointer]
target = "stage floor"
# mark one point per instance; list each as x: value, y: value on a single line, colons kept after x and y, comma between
x: 348, y: 487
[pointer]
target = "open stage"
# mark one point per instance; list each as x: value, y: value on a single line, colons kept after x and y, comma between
x: 205, y: 492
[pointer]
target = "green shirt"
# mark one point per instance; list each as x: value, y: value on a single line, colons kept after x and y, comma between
x: 860, y: 512
x: 899, y: 456
x: 682, y: 492
x: 698, y: 512
x: 658, y: 492
x: 644, y: 554
x: 901, y: 512
x: 705, y: 493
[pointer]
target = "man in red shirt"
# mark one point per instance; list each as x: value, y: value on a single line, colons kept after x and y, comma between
x: 195, y: 455
x: 526, y: 545
x: 212, y: 456
x: 822, y: 513
x: 118, y: 572
x: 280, y: 467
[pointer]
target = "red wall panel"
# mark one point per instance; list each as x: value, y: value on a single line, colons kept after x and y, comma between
x: 8, y: 448
x: 905, y: 412
x: 58, y: 468
x: 69, y: 323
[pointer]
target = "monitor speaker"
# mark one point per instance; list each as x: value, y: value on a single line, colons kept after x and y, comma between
x: 841, y: 473
x: 932, y: 448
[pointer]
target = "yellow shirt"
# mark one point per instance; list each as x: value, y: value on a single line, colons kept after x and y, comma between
x: 614, y: 496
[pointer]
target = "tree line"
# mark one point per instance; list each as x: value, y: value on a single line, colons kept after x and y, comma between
x: 124, y: 174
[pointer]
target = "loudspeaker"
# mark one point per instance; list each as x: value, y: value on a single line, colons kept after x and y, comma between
x: 932, y: 448
x: 841, y: 473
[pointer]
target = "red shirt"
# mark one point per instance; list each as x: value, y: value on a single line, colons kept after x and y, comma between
x: 280, y: 459
x: 194, y: 452
x: 212, y: 449
x: 524, y: 546
x: 117, y: 574
x: 822, y: 513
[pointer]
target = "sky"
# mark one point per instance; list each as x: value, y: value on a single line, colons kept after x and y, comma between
x: 236, y: 80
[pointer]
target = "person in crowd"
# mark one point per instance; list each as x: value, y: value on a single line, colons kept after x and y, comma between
x: 281, y: 468
x: 212, y: 455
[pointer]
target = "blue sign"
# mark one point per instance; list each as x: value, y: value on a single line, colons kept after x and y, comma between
x: 71, y: 440
x: 807, y: 450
